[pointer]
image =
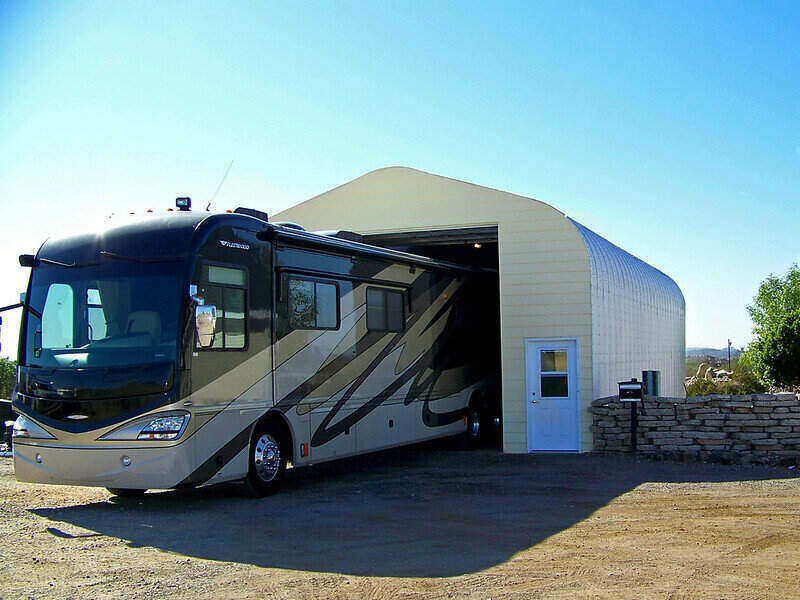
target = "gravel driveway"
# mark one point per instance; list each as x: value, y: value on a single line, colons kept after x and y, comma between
x: 425, y: 522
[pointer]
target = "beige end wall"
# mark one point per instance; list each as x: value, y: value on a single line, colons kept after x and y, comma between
x: 544, y: 265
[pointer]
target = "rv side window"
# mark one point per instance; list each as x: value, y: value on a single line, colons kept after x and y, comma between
x: 226, y: 290
x: 385, y: 310
x: 313, y: 304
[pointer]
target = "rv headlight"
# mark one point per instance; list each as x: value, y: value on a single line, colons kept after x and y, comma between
x: 25, y: 428
x: 162, y: 427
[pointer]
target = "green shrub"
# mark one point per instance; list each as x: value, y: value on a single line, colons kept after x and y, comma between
x: 702, y: 387
x: 8, y: 370
x: 743, y: 381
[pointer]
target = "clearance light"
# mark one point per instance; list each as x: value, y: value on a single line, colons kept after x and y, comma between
x: 476, y: 245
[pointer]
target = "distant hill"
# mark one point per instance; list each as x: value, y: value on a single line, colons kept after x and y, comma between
x: 715, y: 352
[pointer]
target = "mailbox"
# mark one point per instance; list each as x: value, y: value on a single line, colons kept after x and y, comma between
x: 630, y: 391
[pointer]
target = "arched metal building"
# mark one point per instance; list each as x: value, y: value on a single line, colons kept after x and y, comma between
x: 577, y: 313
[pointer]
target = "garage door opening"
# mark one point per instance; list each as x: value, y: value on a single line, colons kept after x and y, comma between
x: 475, y: 247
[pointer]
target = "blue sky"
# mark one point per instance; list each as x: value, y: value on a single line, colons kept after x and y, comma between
x: 673, y: 129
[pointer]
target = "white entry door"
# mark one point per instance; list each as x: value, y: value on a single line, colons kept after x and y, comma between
x: 552, y: 395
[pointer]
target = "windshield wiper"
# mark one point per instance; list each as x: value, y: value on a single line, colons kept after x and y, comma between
x: 141, y: 259
x: 57, y: 263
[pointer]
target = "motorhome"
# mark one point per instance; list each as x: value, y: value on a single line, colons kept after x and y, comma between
x: 192, y: 348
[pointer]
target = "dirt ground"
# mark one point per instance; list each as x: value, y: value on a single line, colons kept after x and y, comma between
x: 429, y: 522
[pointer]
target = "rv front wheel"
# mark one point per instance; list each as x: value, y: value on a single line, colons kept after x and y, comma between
x: 267, y: 462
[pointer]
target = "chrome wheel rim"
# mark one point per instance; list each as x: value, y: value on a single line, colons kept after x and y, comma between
x: 474, y: 426
x: 267, y: 457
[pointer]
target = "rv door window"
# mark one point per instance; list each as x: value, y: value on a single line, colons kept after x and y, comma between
x: 385, y: 310
x: 227, y: 293
x: 313, y: 304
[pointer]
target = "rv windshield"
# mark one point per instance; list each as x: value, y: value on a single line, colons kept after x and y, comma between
x: 112, y: 313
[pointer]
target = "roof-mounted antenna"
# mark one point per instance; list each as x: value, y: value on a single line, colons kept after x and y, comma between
x: 219, y: 187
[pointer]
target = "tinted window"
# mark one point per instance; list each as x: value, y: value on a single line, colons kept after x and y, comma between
x: 230, y: 331
x: 555, y: 386
x: 313, y: 304
x: 385, y: 310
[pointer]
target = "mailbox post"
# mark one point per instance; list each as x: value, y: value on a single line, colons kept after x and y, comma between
x: 631, y: 392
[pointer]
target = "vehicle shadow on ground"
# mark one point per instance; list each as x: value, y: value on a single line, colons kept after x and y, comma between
x: 427, y: 511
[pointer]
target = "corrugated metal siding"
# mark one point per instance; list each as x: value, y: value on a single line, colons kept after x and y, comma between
x: 638, y: 319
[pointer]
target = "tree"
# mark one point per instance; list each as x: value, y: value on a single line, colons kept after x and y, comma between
x: 775, y: 351
x: 8, y: 370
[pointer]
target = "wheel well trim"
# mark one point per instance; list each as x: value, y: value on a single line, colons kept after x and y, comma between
x: 272, y: 415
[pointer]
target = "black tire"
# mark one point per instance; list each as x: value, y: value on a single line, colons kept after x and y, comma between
x: 267, y: 457
x: 125, y: 492
x: 493, y: 431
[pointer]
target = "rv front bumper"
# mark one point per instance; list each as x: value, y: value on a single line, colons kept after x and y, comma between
x: 133, y: 468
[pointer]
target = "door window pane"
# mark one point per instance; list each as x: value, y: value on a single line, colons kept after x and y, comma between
x: 226, y: 275
x: 212, y: 295
x: 233, y: 311
x: 554, y: 361
x: 555, y: 386
x: 230, y: 327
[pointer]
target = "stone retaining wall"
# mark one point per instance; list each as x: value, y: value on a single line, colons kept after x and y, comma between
x: 753, y: 428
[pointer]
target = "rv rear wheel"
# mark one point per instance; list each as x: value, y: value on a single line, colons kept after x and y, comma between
x: 471, y: 438
x: 125, y: 492
x: 267, y: 462
x: 474, y: 426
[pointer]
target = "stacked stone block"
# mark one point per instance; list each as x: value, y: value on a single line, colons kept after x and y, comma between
x: 753, y: 428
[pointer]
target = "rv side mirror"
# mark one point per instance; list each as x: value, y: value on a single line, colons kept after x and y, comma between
x: 205, y: 322
x: 27, y: 260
